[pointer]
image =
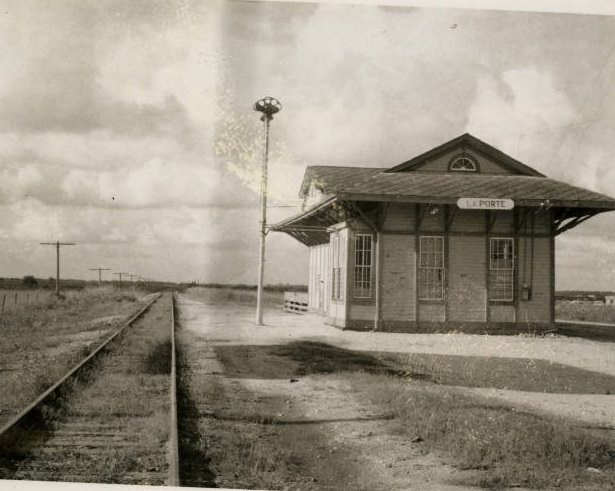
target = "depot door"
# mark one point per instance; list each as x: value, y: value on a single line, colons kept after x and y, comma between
x: 466, y: 281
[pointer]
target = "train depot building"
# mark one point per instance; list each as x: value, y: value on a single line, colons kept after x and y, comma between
x: 461, y: 238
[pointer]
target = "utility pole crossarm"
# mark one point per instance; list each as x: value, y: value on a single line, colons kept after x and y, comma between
x: 120, y: 273
x: 100, y: 270
x: 57, y: 245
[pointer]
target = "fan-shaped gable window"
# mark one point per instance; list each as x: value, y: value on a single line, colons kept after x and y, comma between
x: 463, y: 163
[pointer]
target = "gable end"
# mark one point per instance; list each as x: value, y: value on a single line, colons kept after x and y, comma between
x: 459, y: 146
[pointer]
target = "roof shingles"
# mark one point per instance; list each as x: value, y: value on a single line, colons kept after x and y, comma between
x: 364, y: 182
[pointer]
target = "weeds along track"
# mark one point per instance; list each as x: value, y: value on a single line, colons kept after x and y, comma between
x: 112, y: 419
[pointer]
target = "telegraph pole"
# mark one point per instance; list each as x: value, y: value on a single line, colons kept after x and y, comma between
x: 99, y: 273
x: 120, y: 275
x: 57, y: 245
x: 268, y: 106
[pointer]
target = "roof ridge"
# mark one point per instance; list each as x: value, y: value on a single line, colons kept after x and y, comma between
x: 344, y: 167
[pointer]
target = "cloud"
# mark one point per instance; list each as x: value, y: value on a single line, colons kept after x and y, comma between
x: 515, y: 110
x: 127, y: 100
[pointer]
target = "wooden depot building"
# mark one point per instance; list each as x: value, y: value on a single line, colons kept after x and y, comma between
x: 458, y: 238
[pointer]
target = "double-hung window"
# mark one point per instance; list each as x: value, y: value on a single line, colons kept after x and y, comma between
x: 336, y: 269
x: 501, y: 269
x: 431, y: 268
x: 363, y: 266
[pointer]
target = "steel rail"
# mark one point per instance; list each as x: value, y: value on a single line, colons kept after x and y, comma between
x: 6, y: 430
x: 173, y: 479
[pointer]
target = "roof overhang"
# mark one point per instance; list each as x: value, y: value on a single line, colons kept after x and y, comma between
x: 310, y: 227
x: 450, y: 200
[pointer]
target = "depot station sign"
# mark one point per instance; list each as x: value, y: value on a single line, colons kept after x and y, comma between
x: 485, y: 203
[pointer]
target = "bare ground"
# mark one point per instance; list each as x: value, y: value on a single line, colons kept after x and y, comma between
x: 334, y: 440
x: 226, y: 325
x: 335, y: 427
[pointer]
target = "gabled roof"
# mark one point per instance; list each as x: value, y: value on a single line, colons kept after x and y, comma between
x: 404, y: 183
x: 448, y: 188
x: 368, y: 184
x: 328, y: 178
x: 469, y: 141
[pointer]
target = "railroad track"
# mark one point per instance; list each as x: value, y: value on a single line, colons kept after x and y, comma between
x: 110, y: 419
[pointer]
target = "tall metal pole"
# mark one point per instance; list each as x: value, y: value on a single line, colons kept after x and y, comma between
x: 268, y: 106
x: 57, y: 245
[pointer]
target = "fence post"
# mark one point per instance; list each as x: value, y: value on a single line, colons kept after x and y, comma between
x: 15, y: 298
x: 3, y: 300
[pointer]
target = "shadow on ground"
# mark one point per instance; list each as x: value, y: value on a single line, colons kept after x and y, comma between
x: 303, y: 358
x: 194, y: 463
x: 295, y: 359
x: 604, y: 334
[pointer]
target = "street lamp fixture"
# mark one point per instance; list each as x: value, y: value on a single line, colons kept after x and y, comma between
x: 268, y: 106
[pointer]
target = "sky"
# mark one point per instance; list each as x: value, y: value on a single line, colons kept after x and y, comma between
x: 127, y: 126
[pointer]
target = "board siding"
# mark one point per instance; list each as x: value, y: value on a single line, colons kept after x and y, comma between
x: 397, y: 273
x: 466, y: 274
x: 538, y: 309
x: 432, y: 312
x: 400, y: 217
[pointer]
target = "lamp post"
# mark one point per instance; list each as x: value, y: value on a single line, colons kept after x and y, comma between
x: 268, y: 106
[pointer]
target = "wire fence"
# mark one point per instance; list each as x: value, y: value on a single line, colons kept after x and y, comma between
x: 13, y: 300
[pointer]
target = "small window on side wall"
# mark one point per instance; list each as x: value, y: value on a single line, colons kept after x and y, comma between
x: 463, y: 163
x: 363, y: 266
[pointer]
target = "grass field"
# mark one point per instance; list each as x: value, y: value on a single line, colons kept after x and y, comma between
x: 584, y: 311
x: 228, y: 296
x: 41, y: 339
x: 515, y: 448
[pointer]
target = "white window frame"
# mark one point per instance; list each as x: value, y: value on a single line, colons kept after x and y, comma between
x: 363, y: 262
x: 431, y: 270
x: 467, y: 159
x: 336, y: 269
x: 499, y: 273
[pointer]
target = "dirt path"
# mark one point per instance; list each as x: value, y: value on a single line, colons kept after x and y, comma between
x: 339, y: 440
x: 357, y: 431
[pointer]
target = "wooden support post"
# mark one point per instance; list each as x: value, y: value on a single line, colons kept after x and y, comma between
x: 488, y: 224
x: 517, y: 230
x: 377, y: 272
x: 552, y: 270
x: 417, y: 259
x: 3, y: 300
x: 446, y: 261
